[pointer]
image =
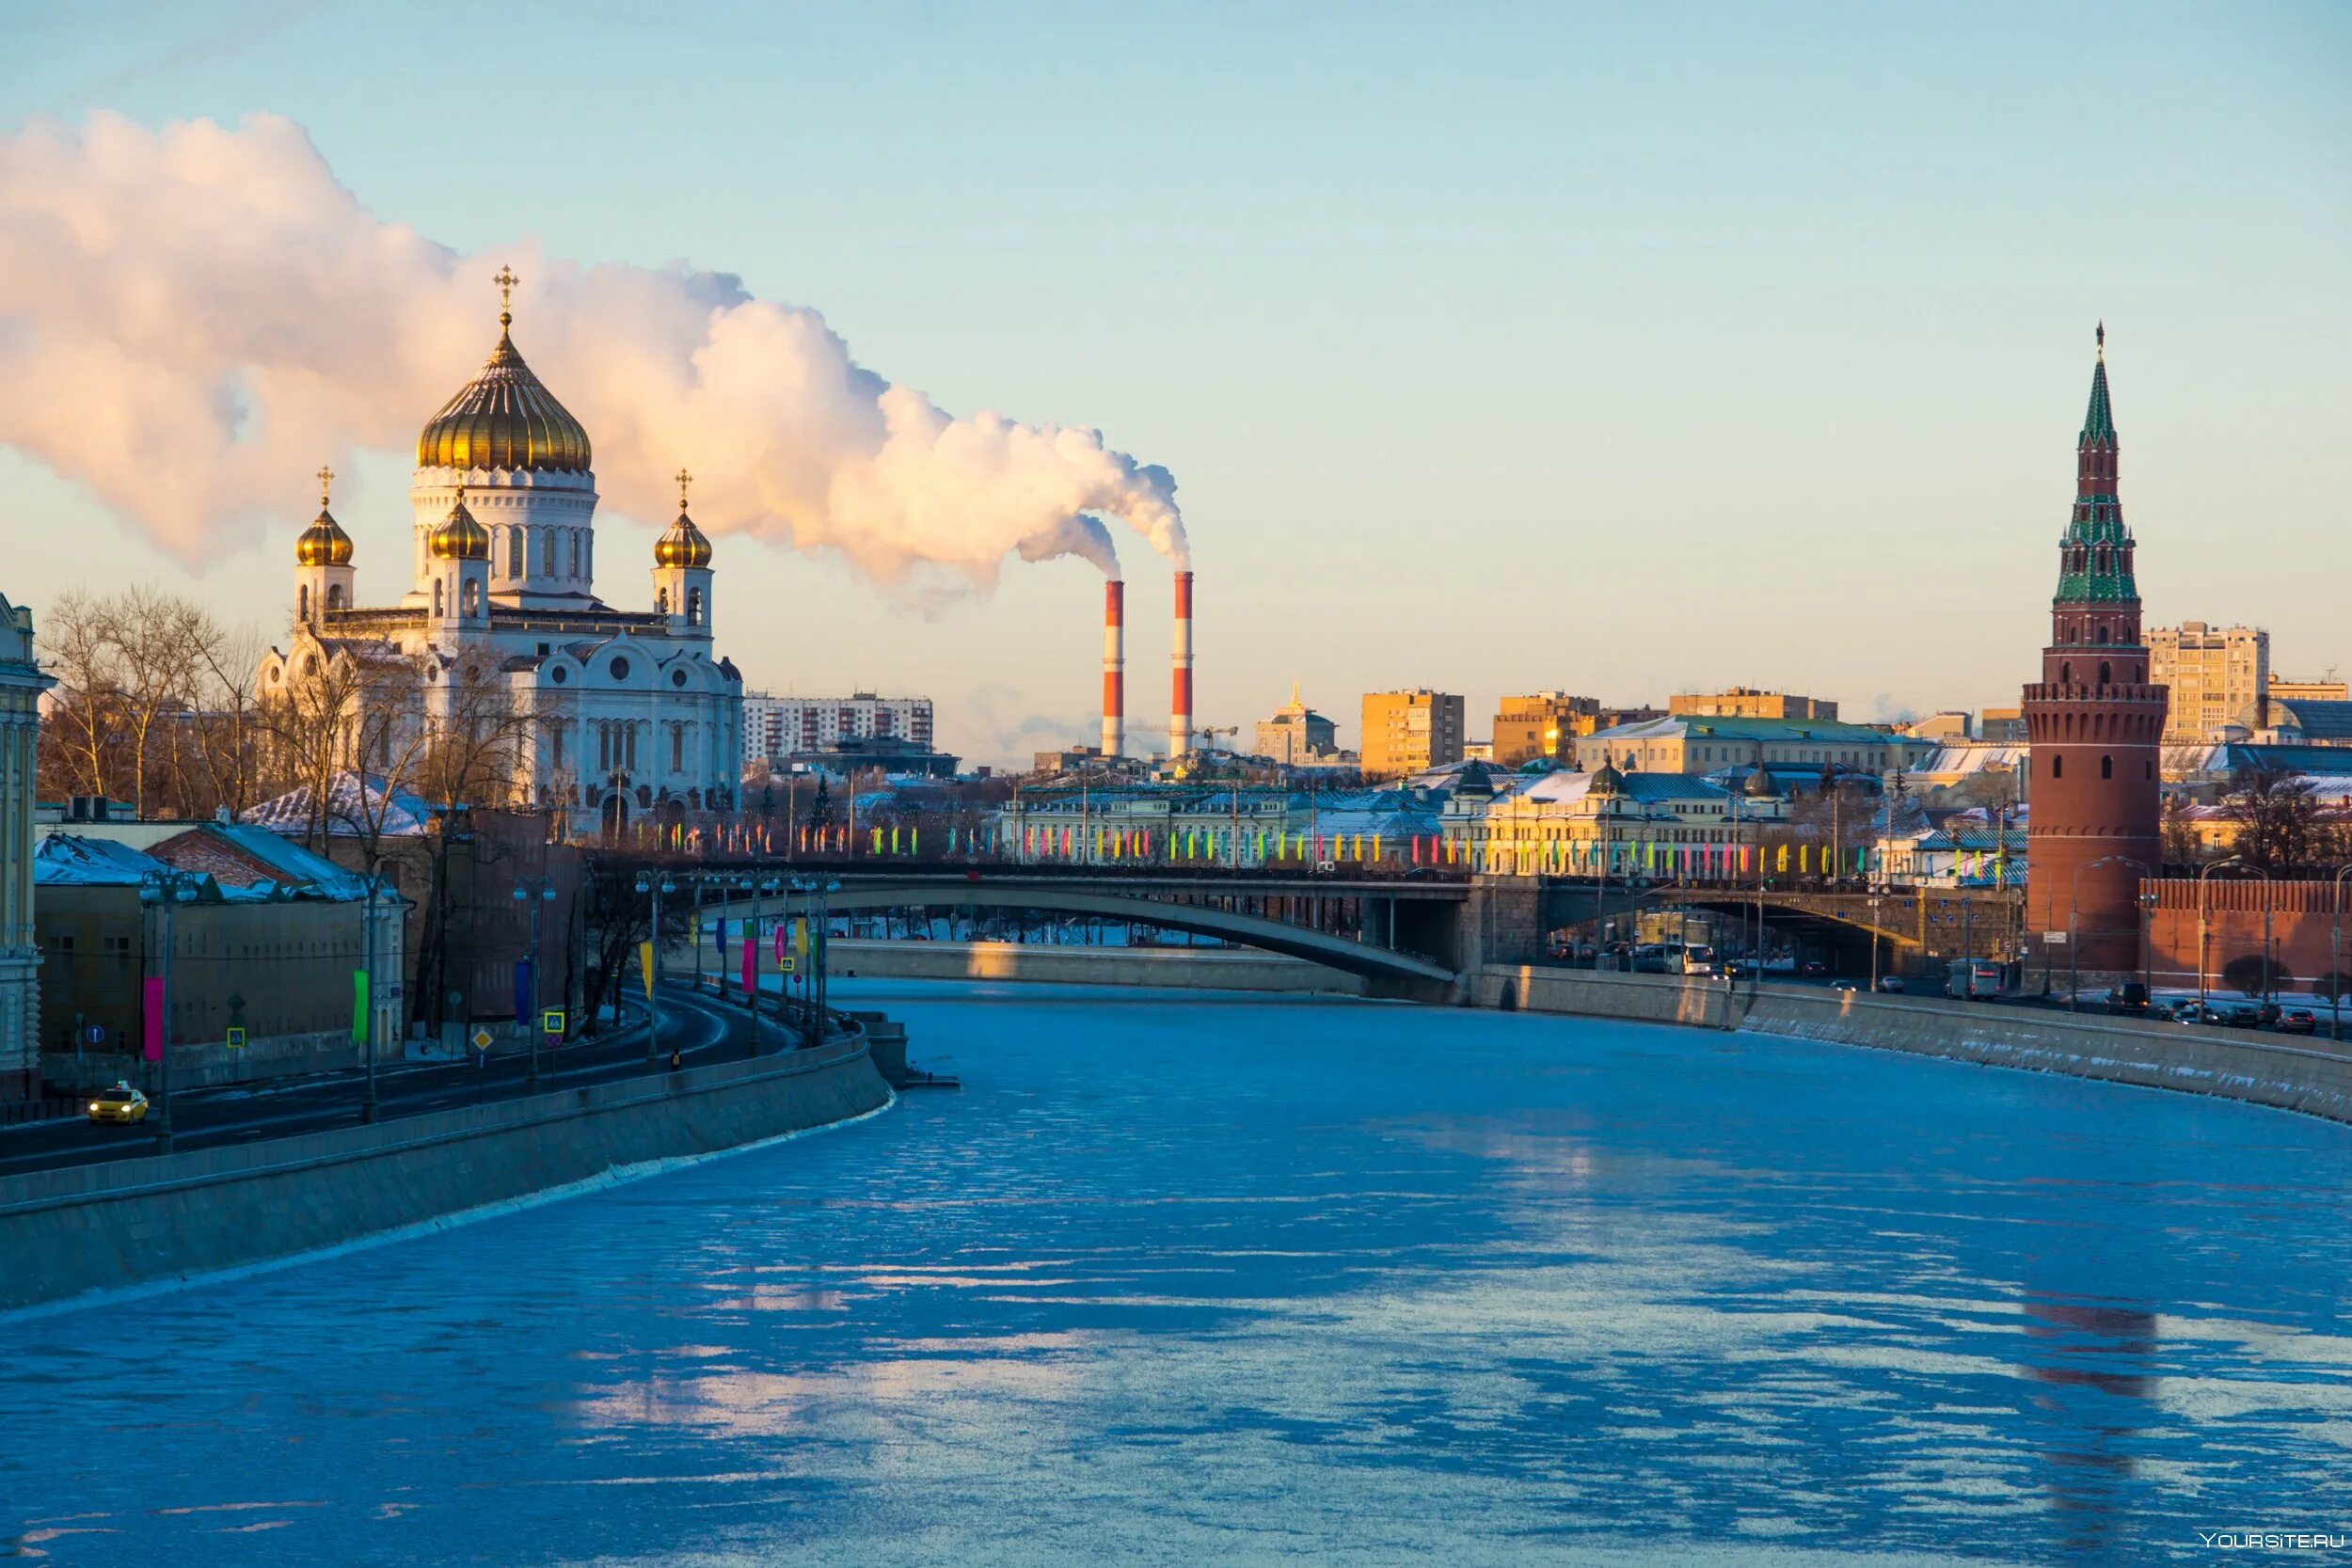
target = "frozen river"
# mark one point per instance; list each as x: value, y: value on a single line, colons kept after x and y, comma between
x: 1176, y: 1280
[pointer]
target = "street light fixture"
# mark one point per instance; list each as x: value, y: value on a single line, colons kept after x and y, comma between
x: 168, y: 887
x: 545, y: 888
x: 2202, y: 874
x: 655, y: 885
x: 2335, y: 963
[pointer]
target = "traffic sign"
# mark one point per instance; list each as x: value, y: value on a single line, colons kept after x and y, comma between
x: 237, y: 1039
x: 787, y: 961
x: 551, y: 1021
x: 95, y: 1034
x: 482, y: 1038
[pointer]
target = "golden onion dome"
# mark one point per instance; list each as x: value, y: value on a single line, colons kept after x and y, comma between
x: 684, y: 545
x: 323, y: 543
x: 505, y: 417
x: 460, y: 537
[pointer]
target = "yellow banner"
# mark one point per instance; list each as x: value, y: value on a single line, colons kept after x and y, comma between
x: 644, y: 965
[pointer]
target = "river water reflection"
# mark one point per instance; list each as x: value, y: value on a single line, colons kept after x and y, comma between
x: 1176, y: 1280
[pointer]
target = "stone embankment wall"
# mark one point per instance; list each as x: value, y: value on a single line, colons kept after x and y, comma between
x: 133, y: 1221
x: 1189, y: 969
x: 2198, y: 1059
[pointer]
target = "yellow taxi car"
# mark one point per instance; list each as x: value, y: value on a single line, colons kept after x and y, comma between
x: 122, y: 1103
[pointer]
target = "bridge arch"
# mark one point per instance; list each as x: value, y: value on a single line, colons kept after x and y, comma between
x: 1408, y: 973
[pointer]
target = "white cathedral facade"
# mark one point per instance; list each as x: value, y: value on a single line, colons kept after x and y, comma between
x: 633, y: 716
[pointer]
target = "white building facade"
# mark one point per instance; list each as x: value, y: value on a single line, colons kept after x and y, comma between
x: 21, y: 686
x: 778, y: 727
x: 632, y: 715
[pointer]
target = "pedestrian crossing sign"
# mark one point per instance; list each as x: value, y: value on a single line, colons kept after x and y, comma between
x: 551, y: 1021
x: 789, y: 963
x: 236, y: 1039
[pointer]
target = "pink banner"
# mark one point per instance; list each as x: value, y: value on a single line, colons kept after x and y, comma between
x: 751, y: 962
x: 151, y: 1017
x: 780, y: 942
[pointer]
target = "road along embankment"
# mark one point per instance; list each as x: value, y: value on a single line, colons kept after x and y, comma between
x: 126, y: 1223
x: 1177, y: 968
x: 2196, y: 1059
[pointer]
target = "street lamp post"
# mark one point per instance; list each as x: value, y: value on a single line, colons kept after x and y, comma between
x: 531, y: 892
x: 367, y: 1103
x: 171, y: 887
x: 2335, y: 962
x: 655, y: 884
x: 2202, y: 874
x: 1874, y: 902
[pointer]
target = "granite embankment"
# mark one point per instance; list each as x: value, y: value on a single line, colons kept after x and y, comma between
x: 1178, y: 968
x: 2261, y: 1069
x: 133, y: 1222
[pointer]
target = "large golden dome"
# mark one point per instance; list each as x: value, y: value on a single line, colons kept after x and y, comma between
x: 505, y: 417
x: 460, y: 537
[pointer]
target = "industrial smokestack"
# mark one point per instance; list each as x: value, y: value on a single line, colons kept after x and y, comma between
x: 1179, y: 706
x: 1114, y: 667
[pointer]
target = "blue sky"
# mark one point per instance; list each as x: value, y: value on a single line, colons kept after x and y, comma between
x: 1494, y: 348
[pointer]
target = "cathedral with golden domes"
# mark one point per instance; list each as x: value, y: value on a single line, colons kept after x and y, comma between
x: 631, y: 717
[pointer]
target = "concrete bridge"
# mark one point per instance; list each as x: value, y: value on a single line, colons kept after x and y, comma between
x: 1409, y: 933
x: 1403, y: 939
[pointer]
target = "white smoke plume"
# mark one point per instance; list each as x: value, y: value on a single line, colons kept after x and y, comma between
x: 192, y: 319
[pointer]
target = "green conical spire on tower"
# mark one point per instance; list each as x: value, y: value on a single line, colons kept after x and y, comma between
x: 2095, y: 553
x: 2098, y: 422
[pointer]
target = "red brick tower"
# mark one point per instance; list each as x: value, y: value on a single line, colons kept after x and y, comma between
x: 2095, y: 724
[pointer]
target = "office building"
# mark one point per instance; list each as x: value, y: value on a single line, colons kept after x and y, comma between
x: 1405, y: 731
x: 1746, y: 702
x: 1297, y: 735
x: 2215, y: 673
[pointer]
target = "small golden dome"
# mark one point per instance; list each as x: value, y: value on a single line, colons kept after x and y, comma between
x: 460, y: 537
x: 684, y: 545
x: 323, y: 543
x: 505, y: 417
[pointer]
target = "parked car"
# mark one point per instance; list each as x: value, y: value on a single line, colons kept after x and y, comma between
x: 120, y: 1103
x: 2297, y: 1020
x: 1891, y: 983
x: 1812, y: 969
x: 2190, y: 1011
x: 2129, y: 997
x: 2238, y: 1015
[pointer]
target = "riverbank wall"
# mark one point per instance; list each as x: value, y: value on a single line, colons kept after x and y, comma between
x: 126, y: 1223
x: 1175, y: 968
x: 2192, y: 1058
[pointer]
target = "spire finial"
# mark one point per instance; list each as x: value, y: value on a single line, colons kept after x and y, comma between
x: 326, y: 478
x: 2103, y: 341
x: 684, y: 479
x: 1294, y: 693
x: 506, y: 281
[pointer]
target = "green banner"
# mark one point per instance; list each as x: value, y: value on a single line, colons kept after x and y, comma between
x: 359, y: 1006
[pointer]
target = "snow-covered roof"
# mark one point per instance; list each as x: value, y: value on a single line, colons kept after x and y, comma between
x: 350, y: 802
x: 66, y: 860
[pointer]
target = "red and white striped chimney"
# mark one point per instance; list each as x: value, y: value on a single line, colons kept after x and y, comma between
x: 1114, y: 667
x: 1179, y: 706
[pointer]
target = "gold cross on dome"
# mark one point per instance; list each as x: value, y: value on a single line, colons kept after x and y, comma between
x: 684, y: 479
x: 506, y: 281
x: 327, y: 477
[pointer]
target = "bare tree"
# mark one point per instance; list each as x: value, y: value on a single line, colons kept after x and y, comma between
x: 2282, y: 827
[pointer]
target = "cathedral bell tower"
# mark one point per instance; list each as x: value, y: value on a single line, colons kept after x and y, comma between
x: 322, y: 562
x: 2096, y: 726
x: 459, y: 589
x: 681, y: 572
